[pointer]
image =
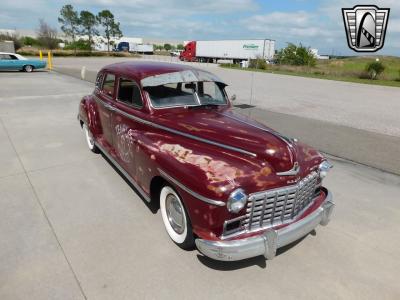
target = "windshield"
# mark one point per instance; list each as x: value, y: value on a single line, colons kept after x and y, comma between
x: 187, y: 94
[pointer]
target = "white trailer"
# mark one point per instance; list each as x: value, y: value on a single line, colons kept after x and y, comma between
x: 141, y: 48
x: 236, y: 50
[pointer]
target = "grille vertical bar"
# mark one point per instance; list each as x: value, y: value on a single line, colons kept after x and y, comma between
x: 251, y: 214
x: 273, y: 209
x: 284, y: 207
x: 263, y: 210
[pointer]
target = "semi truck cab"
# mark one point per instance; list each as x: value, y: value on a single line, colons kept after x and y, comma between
x: 189, y: 52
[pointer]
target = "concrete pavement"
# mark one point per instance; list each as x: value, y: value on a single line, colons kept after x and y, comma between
x: 72, y: 228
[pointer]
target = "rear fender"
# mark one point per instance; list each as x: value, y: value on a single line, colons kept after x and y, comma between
x: 89, y: 114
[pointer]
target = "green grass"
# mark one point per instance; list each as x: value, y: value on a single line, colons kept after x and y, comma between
x: 350, y: 69
x: 66, y: 53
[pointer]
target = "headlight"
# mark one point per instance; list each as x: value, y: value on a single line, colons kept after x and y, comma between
x: 237, y: 200
x: 323, y: 168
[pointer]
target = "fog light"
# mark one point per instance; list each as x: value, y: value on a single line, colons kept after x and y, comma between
x: 237, y: 200
x: 324, y: 168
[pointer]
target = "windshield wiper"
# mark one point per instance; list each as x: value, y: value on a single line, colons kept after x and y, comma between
x: 210, y: 105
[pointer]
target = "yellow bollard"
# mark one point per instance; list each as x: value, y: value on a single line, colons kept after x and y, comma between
x: 41, y: 54
x: 49, y: 61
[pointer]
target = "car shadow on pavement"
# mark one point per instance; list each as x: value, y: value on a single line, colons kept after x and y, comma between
x: 241, y: 264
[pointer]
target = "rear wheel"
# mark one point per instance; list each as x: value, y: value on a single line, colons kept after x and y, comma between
x: 28, y: 68
x: 175, y: 218
x: 89, y: 139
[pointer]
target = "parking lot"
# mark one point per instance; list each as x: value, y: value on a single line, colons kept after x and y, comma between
x: 72, y: 228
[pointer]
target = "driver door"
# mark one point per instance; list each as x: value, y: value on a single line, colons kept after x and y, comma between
x: 106, y: 95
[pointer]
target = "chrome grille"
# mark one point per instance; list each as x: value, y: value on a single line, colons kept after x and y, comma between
x: 278, y: 206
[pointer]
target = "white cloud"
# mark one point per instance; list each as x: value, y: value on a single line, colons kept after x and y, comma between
x: 299, y: 24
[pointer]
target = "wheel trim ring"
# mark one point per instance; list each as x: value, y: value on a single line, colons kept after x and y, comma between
x: 175, y: 214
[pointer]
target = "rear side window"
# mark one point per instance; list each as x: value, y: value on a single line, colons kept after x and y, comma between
x: 5, y: 57
x: 129, y: 93
x: 99, y: 80
x: 108, y: 85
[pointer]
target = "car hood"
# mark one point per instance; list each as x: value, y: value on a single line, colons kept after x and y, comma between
x: 233, y: 130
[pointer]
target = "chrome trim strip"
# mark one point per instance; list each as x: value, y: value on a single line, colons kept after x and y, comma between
x: 293, y: 171
x: 194, y: 194
x: 193, y: 137
x: 263, y: 245
x: 127, y: 176
x: 287, y: 140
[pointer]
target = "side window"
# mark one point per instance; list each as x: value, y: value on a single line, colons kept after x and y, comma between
x: 13, y: 57
x: 129, y: 92
x: 99, y: 80
x: 108, y: 85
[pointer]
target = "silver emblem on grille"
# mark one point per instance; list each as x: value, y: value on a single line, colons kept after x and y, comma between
x: 365, y: 27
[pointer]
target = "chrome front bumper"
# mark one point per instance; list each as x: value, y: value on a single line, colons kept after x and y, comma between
x: 267, y: 243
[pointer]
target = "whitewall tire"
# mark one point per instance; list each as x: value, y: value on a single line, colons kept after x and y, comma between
x: 89, y: 139
x: 175, y: 218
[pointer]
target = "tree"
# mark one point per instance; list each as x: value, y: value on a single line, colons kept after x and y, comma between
x: 111, y: 28
x: 12, y: 37
x: 69, y: 20
x: 47, y: 35
x: 167, y: 47
x: 29, y: 41
x: 180, y: 47
x: 296, y: 55
x: 88, y: 22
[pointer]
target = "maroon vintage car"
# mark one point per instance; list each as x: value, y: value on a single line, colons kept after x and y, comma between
x: 230, y: 185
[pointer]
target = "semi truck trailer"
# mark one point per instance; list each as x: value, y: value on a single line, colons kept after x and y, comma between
x: 236, y: 50
x: 134, y: 47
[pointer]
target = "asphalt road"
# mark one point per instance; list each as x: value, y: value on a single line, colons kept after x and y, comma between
x: 367, y: 107
x: 72, y: 228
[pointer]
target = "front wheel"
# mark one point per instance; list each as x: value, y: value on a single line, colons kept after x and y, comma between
x: 28, y: 68
x: 176, y: 220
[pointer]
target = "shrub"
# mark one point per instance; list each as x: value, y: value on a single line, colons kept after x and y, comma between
x: 296, y: 55
x: 78, y: 45
x: 30, y: 41
x: 374, y: 69
x: 258, y: 63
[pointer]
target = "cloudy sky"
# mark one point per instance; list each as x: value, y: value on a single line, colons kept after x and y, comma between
x: 315, y: 23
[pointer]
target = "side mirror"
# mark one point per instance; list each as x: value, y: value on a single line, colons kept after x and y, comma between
x: 233, y: 97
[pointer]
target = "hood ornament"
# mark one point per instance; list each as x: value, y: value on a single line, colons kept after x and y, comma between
x: 293, y: 171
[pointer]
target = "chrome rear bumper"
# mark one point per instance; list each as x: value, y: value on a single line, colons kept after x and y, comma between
x: 267, y: 243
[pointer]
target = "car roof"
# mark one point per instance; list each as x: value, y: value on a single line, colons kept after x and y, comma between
x: 142, y: 69
x: 8, y: 53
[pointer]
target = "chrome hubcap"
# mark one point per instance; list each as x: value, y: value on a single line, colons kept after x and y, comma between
x: 175, y: 214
